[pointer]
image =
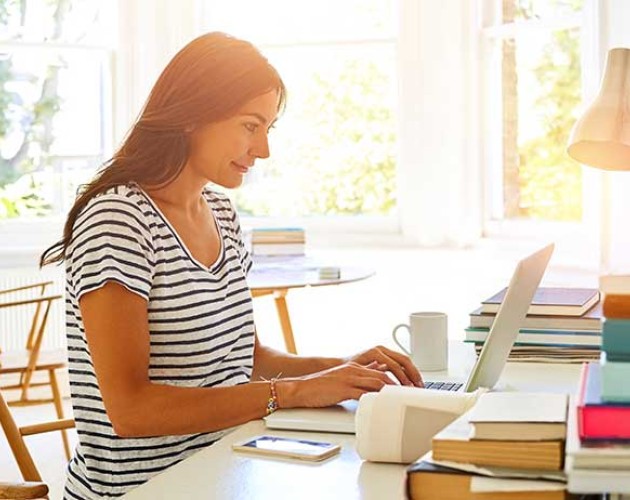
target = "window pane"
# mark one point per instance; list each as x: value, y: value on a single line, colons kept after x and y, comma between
x: 549, y: 92
x: 54, y: 76
x: 51, y: 113
x: 68, y: 21
x: 545, y: 9
x: 539, y: 77
x: 333, y: 151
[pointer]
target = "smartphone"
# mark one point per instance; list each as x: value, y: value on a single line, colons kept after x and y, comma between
x: 302, y: 449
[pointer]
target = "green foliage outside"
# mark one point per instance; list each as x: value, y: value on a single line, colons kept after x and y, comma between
x: 25, y: 127
x: 550, y: 181
x: 345, y: 163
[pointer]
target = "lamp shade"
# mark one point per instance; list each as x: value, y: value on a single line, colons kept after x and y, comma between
x: 601, y: 137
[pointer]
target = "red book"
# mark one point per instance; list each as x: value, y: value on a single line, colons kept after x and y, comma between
x: 598, y: 420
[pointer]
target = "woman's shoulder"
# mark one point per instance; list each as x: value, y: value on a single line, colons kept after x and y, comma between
x: 124, y: 194
x: 123, y: 198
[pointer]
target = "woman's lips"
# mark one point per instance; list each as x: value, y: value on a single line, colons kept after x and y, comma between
x: 241, y: 168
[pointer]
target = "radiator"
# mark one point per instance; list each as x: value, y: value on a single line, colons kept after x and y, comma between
x: 15, y: 322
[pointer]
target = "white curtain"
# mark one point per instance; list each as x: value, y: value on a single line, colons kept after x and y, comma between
x: 150, y: 32
x: 440, y: 178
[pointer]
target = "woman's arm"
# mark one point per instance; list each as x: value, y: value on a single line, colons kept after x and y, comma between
x: 116, y: 325
x: 270, y: 363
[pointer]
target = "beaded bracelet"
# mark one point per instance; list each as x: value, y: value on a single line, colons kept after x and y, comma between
x: 272, y: 402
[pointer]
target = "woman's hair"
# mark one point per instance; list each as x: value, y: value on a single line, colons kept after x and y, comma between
x: 208, y: 80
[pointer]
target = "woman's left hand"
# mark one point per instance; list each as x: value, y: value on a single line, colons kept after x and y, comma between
x: 388, y: 360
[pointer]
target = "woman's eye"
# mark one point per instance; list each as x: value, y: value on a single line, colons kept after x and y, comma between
x: 251, y: 126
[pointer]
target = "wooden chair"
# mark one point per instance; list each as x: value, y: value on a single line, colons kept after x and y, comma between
x: 33, y: 487
x: 26, y: 362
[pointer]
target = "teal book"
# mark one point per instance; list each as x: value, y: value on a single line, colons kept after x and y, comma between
x: 616, y: 338
x: 615, y: 376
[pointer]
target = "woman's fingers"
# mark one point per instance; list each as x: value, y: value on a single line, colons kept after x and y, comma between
x: 348, y: 381
x: 399, y: 364
x: 411, y: 372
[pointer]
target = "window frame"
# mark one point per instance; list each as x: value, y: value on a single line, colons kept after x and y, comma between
x: 580, y: 238
x: 26, y: 236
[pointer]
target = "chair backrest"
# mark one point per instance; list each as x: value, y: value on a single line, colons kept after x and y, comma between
x: 16, y: 442
x: 41, y: 311
x: 43, y: 304
x: 15, y: 437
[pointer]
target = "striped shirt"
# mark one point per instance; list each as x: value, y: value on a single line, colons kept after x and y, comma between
x: 200, y: 322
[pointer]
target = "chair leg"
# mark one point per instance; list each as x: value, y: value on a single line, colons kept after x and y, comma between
x: 59, y: 408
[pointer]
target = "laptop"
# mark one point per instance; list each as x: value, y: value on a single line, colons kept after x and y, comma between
x: 485, y: 373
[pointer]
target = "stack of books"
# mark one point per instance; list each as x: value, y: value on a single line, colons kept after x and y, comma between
x: 562, y: 325
x: 278, y: 241
x: 598, y: 442
x: 598, y: 448
x: 615, y: 359
x: 509, y: 445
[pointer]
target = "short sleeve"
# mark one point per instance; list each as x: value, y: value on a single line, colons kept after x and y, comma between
x: 111, y: 241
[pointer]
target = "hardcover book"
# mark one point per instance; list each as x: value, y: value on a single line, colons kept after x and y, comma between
x: 598, y: 456
x: 551, y: 301
x: 549, y: 353
x: 618, y: 284
x: 615, y: 377
x: 428, y: 481
x: 616, y: 306
x: 453, y: 443
x: 616, y: 337
x: 598, y: 420
x: 590, y: 320
x: 519, y: 416
x: 591, y: 338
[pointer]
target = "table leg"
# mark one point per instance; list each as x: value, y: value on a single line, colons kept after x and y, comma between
x: 285, y: 321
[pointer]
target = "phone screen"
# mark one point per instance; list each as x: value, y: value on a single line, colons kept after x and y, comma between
x: 296, y: 448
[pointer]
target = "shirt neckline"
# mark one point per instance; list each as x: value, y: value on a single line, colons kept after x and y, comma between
x: 180, y: 240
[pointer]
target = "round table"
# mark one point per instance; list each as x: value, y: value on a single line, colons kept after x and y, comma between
x: 276, y: 275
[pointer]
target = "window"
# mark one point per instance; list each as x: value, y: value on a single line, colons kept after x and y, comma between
x: 532, y: 91
x: 54, y: 101
x: 333, y: 152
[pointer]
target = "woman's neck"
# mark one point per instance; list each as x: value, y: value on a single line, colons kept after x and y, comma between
x: 182, y: 194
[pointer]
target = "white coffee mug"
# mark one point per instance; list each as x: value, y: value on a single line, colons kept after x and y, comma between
x: 428, y: 340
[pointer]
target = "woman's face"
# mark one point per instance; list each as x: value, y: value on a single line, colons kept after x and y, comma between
x: 222, y: 152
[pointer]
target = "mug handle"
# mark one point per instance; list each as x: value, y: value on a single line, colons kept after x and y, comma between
x: 396, y: 328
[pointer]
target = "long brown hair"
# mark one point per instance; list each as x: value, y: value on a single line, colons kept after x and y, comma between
x: 207, y: 80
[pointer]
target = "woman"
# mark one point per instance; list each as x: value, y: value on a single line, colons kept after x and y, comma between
x: 162, y: 345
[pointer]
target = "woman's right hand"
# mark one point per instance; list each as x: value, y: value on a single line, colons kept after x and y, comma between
x: 328, y: 387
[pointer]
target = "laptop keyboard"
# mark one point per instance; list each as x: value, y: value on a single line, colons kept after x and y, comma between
x: 443, y: 386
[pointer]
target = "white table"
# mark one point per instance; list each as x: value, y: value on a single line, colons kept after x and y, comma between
x: 217, y: 472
